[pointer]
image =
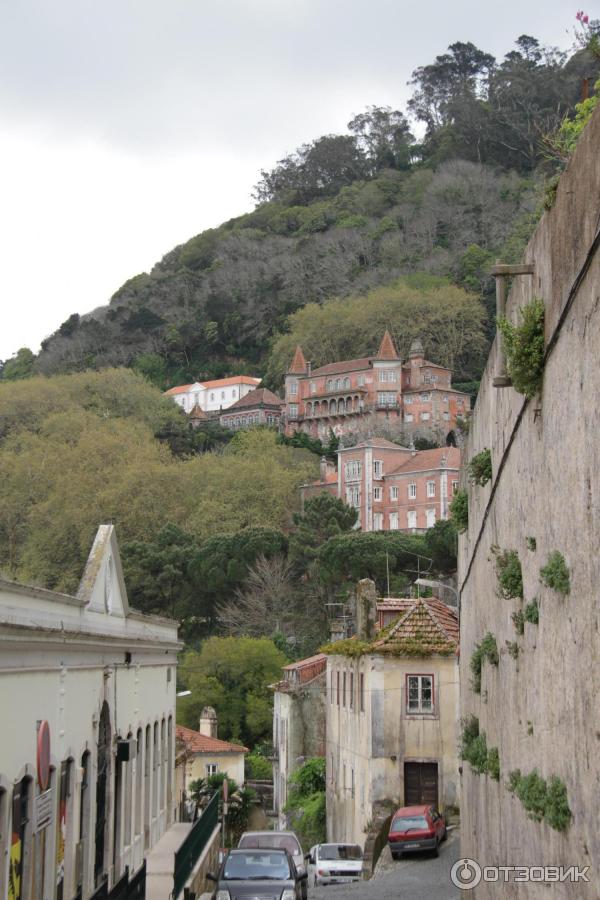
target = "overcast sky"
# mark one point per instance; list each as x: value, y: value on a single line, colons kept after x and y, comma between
x: 127, y: 127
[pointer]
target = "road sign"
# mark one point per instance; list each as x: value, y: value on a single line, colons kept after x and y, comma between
x: 42, y: 811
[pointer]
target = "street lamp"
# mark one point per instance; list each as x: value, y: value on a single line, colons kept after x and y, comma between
x: 426, y: 582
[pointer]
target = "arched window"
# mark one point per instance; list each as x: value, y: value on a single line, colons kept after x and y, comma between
x: 155, y: 771
x: 64, y: 829
x: 139, y: 782
x: 163, y: 764
x: 4, y: 844
x: 19, y: 876
x: 128, y: 797
x: 147, y: 786
x: 169, y: 770
x: 84, y: 817
x: 102, y: 789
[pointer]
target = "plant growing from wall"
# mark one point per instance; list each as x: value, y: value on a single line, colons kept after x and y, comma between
x: 543, y: 800
x: 487, y: 649
x: 480, y: 468
x: 513, y: 649
x: 532, y: 612
x: 474, y: 750
x: 531, y: 544
x: 519, y: 621
x: 493, y: 763
x: 555, y: 574
x: 459, y: 510
x: 524, y: 346
x: 509, y: 573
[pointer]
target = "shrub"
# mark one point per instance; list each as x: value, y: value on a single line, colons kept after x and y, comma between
x: 555, y: 574
x: 519, y: 621
x: 486, y: 649
x: 257, y: 768
x: 480, y: 468
x: 542, y: 800
x: 513, y: 649
x: 531, y: 544
x: 459, y: 510
x: 493, y: 763
x: 524, y: 346
x: 509, y: 573
x: 532, y: 612
x: 310, y: 777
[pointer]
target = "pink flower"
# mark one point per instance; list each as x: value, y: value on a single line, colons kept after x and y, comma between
x: 585, y: 20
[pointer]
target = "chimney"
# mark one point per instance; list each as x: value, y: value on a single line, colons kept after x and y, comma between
x: 323, y: 468
x: 208, y: 722
x: 366, y: 609
x: 309, y: 368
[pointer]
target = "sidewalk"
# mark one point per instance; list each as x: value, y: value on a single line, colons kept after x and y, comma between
x: 160, y: 862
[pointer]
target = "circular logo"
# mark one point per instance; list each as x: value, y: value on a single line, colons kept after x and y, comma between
x: 465, y: 874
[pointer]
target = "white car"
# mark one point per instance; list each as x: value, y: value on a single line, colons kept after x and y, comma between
x: 336, y: 863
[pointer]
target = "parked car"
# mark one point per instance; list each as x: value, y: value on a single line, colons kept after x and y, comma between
x: 277, y: 840
x: 259, y: 875
x: 335, y: 863
x: 416, y: 828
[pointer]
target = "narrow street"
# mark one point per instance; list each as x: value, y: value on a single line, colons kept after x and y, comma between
x: 419, y: 877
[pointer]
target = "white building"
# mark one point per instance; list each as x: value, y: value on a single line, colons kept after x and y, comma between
x: 87, y: 701
x: 212, y: 396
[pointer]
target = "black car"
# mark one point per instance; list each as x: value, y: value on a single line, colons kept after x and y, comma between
x: 258, y: 875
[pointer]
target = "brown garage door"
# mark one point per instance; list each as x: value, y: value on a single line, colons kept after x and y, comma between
x: 420, y: 783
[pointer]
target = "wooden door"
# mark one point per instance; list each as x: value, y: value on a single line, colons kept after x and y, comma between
x: 420, y: 784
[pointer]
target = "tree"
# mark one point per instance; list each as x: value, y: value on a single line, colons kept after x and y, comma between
x: 384, y: 136
x: 265, y: 606
x: 18, y: 366
x: 442, y: 546
x: 323, y: 517
x: 350, y: 557
x: 232, y: 675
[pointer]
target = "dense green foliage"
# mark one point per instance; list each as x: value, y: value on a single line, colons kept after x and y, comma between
x: 459, y: 510
x: 518, y: 620
x: 473, y: 748
x: 480, y: 468
x: 323, y: 517
x: 555, y: 574
x: 524, y: 345
x: 258, y: 768
x: 240, y: 801
x: 542, y: 800
x: 509, y: 573
x: 532, y: 612
x: 232, y: 675
x: 487, y: 649
x: 306, y: 802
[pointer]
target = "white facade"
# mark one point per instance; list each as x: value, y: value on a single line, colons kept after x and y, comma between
x: 212, y: 396
x: 102, y: 677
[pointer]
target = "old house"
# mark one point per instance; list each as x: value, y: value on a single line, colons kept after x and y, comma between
x: 298, y: 723
x: 392, y: 488
x: 391, y: 714
x: 257, y: 407
x: 212, y: 396
x: 382, y: 390
x: 201, y: 754
x: 87, y: 698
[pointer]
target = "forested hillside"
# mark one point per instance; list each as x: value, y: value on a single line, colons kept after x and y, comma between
x: 346, y: 214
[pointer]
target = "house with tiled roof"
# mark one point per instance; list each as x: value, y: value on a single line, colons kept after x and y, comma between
x: 392, y: 713
x: 298, y: 723
x: 381, y: 390
x: 212, y: 396
x: 392, y: 488
x: 258, y: 407
x: 199, y: 754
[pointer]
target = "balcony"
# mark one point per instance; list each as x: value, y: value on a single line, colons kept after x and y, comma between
x: 338, y: 405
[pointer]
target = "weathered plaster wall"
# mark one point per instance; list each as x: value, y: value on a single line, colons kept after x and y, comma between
x: 541, y: 710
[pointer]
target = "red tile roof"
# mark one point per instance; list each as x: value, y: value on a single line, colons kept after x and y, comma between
x: 387, y: 349
x: 234, y: 379
x: 347, y: 365
x: 256, y: 398
x: 197, y: 413
x: 427, y: 627
x: 424, y: 460
x: 319, y: 658
x: 180, y: 389
x: 380, y: 443
x: 299, y: 365
x: 201, y: 743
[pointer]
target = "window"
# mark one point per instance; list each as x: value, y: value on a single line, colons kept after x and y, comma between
x: 408, y: 417
x: 212, y: 397
x: 353, y: 495
x: 344, y: 689
x: 425, y: 417
x: 394, y: 492
x: 377, y: 468
x: 394, y: 521
x: 211, y: 769
x: 430, y: 518
x: 454, y: 487
x: 293, y: 410
x: 21, y: 847
x: 431, y: 488
x: 378, y: 522
x: 337, y: 693
x: 313, y: 387
x: 427, y: 377
x: 353, y: 470
x: 459, y: 401
x: 446, y: 416
x: 351, y: 703
x: 361, y: 380
x: 222, y: 395
x: 424, y: 398
x: 346, y: 382
x: 386, y: 398
x: 412, y: 518
x: 338, y: 384
x: 408, y: 400
x: 330, y: 384
x: 377, y: 493
x: 419, y: 692
x: 361, y: 681
x: 293, y: 388
x: 412, y: 491
x: 445, y: 398
x: 331, y: 688
x: 234, y: 392
x: 352, y: 782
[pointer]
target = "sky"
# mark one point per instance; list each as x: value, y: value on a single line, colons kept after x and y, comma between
x: 128, y: 126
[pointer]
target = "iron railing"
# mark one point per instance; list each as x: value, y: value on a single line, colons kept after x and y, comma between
x: 188, y: 854
x: 124, y: 889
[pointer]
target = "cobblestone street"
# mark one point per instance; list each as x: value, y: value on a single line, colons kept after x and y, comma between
x: 419, y: 877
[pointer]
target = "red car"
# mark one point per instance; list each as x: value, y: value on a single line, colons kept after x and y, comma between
x: 416, y: 828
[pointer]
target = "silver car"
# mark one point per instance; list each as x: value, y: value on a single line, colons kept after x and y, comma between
x: 336, y: 863
x: 277, y: 840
